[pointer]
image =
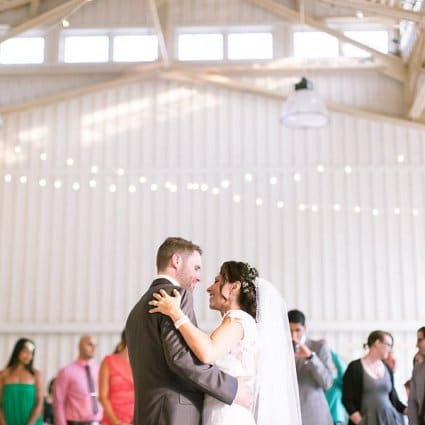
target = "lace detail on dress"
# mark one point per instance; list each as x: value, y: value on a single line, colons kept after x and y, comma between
x: 240, y: 361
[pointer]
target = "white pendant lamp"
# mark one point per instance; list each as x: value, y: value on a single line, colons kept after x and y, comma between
x: 303, y: 109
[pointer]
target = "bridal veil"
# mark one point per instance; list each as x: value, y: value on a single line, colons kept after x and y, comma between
x: 277, y: 399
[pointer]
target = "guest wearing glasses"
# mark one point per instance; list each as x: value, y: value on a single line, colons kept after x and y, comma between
x: 368, y: 386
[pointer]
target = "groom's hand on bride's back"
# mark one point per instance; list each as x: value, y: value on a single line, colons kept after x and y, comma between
x: 245, y: 394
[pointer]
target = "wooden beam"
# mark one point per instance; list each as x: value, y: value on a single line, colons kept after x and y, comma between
x: 379, y: 9
x: 284, y: 66
x: 12, y: 4
x: 417, y: 106
x: 149, y: 70
x: 44, y: 18
x: 159, y: 31
x: 393, y: 65
x: 414, y: 86
x: 34, y: 6
x: 224, y: 82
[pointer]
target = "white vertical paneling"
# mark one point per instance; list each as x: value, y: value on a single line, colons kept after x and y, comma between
x: 75, y: 261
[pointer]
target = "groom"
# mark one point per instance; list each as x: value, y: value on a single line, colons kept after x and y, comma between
x: 169, y: 380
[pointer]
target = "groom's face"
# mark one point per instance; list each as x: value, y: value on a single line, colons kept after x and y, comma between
x: 189, y: 271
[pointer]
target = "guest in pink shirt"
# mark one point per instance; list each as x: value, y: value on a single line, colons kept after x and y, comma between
x: 75, y: 398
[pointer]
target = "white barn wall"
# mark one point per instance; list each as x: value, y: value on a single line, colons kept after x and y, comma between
x: 76, y: 261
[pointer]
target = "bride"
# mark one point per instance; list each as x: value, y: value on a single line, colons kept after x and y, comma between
x: 252, y: 341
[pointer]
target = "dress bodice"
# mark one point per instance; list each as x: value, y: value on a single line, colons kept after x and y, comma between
x: 239, y: 361
x: 18, y: 403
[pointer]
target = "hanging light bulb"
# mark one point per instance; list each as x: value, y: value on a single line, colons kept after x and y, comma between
x: 303, y: 109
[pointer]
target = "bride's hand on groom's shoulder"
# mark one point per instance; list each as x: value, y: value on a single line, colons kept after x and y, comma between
x: 166, y: 304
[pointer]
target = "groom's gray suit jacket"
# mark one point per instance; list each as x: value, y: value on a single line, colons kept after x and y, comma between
x: 314, y: 377
x: 169, y: 380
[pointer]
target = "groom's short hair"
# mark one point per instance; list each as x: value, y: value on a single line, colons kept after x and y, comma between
x: 171, y: 246
x: 296, y: 316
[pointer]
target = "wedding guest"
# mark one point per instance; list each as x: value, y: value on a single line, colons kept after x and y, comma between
x: 21, y: 388
x: 368, y: 385
x: 334, y: 393
x: 116, y: 387
x: 420, y: 343
x: 416, y: 401
x: 418, y: 358
x: 314, y: 371
x: 48, y: 417
x: 75, y: 390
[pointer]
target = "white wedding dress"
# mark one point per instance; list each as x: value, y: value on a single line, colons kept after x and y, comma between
x: 240, y: 361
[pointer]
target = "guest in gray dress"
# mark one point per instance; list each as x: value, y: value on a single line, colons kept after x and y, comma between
x: 368, y: 386
x: 376, y: 405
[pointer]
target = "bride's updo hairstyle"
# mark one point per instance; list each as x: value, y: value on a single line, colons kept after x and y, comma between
x: 233, y: 271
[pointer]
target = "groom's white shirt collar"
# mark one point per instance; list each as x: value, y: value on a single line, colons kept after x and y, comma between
x: 165, y: 276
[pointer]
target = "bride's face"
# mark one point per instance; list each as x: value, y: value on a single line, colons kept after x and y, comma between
x: 217, y: 292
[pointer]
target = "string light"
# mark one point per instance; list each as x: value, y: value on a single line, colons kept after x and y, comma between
x: 248, y: 177
x: 348, y: 169
x: 320, y: 168
x: 216, y: 190
x: 400, y: 158
x: 69, y: 162
x: 225, y: 183
x: 43, y: 156
x: 17, y: 149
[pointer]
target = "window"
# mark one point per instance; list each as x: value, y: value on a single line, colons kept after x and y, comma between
x: 250, y: 46
x: 135, y: 48
x: 86, y: 49
x: 20, y: 50
x: 200, y: 47
x: 378, y: 40
x: 314, y: 44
